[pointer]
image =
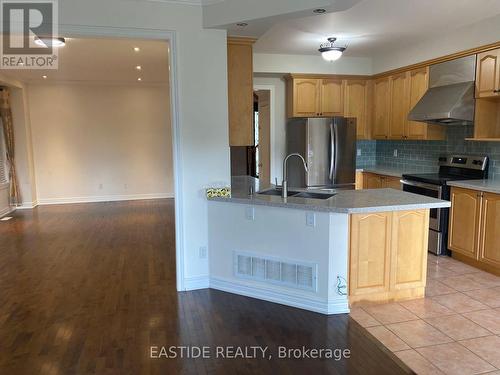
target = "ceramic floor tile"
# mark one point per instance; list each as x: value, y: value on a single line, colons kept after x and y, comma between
x: 458, y: 327
x: 363, y: 318
x: 426, y: 308
x: 435, y: 271
x: 389, y: 339
x: 459, y: 302
x: 490, y: 297
x: 437, y: 288
x: 461, y: 268
x: 417, y: 363
x: 488, y: 348
x: 485, y: 279
x: 454, y: 359
x: 418, y: 333
x: 461, y: 283
x: 390, y: 313
x: 489, y: 319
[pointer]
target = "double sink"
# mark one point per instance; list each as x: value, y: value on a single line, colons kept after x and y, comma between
x: 298, y: 194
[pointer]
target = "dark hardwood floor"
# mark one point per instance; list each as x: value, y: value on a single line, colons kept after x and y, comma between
x: 88, y: 289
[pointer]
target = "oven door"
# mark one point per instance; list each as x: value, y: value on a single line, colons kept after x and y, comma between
x: 429, y: 190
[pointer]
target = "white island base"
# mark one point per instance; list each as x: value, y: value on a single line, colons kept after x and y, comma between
x: 289, y: 256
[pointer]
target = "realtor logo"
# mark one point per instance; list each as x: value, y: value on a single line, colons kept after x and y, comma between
x: 28, y: 31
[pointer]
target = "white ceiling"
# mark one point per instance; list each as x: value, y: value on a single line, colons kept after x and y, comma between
x: 104, y: 61
x: 374, y: 26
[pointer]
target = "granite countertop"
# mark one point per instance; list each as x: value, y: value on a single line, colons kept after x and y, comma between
x: 490, y: 186
x: 345, y: 201
x: 389, y: 171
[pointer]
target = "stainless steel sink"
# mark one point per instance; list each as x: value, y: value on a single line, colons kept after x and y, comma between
x: 298, y: 194
x: 311, y: 195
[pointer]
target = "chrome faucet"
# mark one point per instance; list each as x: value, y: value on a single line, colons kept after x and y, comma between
x: 284, y: 186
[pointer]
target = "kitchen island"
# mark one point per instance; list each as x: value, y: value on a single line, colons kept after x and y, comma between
x: 321, y: 254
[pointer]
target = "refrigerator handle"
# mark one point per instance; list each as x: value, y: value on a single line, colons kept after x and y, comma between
x: 336, y: 156
x: 332, y: 150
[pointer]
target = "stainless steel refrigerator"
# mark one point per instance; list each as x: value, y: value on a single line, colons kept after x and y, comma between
x: 329, y: 147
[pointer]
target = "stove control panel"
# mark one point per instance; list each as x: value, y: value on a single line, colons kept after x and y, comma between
x: 465, y: 161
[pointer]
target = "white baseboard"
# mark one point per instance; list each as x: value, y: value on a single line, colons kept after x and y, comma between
x: 7, y: 210
x: 196, y: 282
x: 27, y: 206
x: 285, y: 298
x: 103, y: 198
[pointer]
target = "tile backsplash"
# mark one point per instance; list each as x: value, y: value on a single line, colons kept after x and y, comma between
x: 422, y: 156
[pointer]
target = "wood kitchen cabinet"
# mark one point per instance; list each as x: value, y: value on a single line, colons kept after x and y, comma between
x: 394, y: 97
x: 314, y: 97
x: 357, y: 104
x: 473, y: 232
x: 464, y: 217
x: 240, y: 91
x: 488, y: 74
x: 399, y: 105
x: 382, y: 105
x: 378, y: 181
x: 489, y: 247
x: 388, y: 255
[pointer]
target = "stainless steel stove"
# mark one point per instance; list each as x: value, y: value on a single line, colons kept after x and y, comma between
x: 451, y: 168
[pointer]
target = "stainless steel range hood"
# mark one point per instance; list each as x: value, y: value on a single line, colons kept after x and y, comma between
x: 450, y: 97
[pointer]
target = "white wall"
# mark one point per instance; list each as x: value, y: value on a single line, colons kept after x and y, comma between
x: 95, y: 142
x: 476, y: 35
x: 279, y: 63
x: 202, y: 113
x: 278, y: 123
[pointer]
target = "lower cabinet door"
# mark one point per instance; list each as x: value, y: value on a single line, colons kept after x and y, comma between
x: 490, y: 230
x: 370, y: 253
x: 410, y: 233
x: 464, y: 222
x: 371, y: 181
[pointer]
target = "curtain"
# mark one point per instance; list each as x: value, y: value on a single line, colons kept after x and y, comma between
x: 8, y: 131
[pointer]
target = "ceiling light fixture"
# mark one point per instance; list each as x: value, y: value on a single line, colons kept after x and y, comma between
x: 137, y: 49
x: 329, y: 52
x: 319, y: 11
x: 50, y: 42
x: 242, y: 24
x: 138, y: 67
x: 139, y: 79
x: 44, y: 77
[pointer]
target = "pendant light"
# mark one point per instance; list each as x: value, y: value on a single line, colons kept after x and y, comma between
x: 329, y: 51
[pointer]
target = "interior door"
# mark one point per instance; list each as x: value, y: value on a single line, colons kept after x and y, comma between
x: 319, y: 154
x: 264, y: 141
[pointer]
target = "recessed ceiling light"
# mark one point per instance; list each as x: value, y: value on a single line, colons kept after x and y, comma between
x: 242, y: 24
x: 138, y: 67
x: 44, y: 77
x: 48, y: 42
x: 137, y: 49
x: 139, y: 79
x: 319, y: 11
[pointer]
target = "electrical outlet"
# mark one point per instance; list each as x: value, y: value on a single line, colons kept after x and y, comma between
x: 203, y: 252
x: 359, y: 152
x: 310, y: 219
x: 395, y: 153
x: 250, y: 213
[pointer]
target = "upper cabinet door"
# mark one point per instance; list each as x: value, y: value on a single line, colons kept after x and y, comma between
x: 464, y: 222
x: 332, y: 98
x: 488, y: 74
x: 382, y: 101
x: 398, y: 120
x: 306, y: 97
x: 490, y: 226
x: 356, y: 105
x: 419, y: 82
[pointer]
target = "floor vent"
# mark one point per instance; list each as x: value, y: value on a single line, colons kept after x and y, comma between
x: 292, y: 274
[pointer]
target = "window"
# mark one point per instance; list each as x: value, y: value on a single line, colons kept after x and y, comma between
x: 3, y: 168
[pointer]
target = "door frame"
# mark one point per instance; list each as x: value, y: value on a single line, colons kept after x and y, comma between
x: 169, y: 36
x: 272, y: 128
